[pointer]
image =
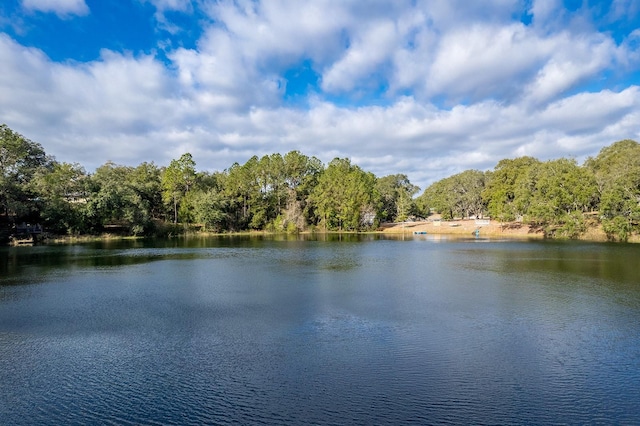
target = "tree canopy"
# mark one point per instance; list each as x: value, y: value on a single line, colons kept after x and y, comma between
x: 294, y: 192
x: 345, y: 196
x: 616, y: 170
x: 20, y: 160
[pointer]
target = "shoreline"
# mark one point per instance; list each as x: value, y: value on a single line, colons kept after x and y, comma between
x: 488, y: 229
x: 462, y: 227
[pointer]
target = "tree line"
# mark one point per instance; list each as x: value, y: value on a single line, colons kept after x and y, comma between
x: 288, y: 193
x: 294, y: 192
x: 559, y: 196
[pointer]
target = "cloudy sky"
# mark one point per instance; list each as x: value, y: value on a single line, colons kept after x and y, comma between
x: 427, y: 88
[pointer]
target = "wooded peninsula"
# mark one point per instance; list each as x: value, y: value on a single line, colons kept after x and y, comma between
x: 296, y: 193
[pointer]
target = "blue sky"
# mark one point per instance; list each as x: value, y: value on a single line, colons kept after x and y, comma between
x: 427, y: 88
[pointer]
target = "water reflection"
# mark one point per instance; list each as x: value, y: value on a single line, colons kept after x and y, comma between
x: 114, y: 253
x: 320, y: 329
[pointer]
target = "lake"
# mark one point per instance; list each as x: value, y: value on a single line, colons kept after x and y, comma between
x: 328, y: 329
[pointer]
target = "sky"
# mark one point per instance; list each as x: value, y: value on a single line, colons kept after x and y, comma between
x: 426, y: 88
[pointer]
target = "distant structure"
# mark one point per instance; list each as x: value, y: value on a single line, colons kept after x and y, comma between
x: 26, y: 233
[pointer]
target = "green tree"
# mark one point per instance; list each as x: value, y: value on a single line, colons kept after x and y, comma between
x: 509, y: 188
x: 270, y: 174
x: 396, y: 196
x: 467, y: 187
x: 563, y: 192
x: 457, y: 196
x: 617, y: 174
x: 20, y: 159
x: 210, y: 209
x: 107, y: 196
x: 177, y: 180
x: 61, y: 191
x: 438, y: 197
x: 242, y: 189
x: 300, y: 177
x: 145, y: 197
x: 123, y: 197
x: 345, y: 197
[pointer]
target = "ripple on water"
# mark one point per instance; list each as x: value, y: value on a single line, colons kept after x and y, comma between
x: 391, y: 333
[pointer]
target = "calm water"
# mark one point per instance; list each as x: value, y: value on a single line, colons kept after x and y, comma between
x: 350, y: 330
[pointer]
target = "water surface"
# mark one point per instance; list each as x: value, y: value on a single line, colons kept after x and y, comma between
x: 320, y: 330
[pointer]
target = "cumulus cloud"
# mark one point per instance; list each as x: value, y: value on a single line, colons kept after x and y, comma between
x: 78, y: 106
x: 547, y: 13
x: 61, y: 8
x: 485, y: 61
x: 465, y: 85
x: 362, y: 58
x: 163, y: 5
x: 623, y: 9
x: 574, y: 59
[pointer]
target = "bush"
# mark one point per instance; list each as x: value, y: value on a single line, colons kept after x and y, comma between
x: 617, y: 228
x: 572, y: 226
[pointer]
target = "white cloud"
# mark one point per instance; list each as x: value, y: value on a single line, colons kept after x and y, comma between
x: 573, y: 59
x: 547, y: 13
x: 83, y: 105
x: 623, y: 9
x: 223, y: 100
x: 429, y: 49
x: 220, y: 77
x: 484, y: 61
x: 61, y: 8
x: 277, y: 30
x: 455, y: 14
x: 361, y: 60
x: 589, y: 112
x: 163, y: 5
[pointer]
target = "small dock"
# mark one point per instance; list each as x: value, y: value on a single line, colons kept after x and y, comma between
x: 26, y: 234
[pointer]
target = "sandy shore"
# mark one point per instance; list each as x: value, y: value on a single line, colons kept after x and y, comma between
x: 487, y: 228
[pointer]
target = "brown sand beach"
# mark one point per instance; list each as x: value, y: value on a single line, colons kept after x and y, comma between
x: 486, y: 228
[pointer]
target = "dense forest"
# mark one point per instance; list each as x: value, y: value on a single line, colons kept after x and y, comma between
x: 294, y: 193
